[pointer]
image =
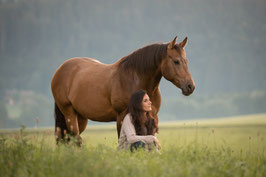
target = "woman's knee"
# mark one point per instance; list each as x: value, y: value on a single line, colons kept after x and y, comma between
x: 137, y: 145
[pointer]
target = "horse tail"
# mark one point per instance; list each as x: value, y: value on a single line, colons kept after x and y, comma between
x: 60, y: 125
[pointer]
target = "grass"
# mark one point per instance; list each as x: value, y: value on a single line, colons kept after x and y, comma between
x: 225, y: 147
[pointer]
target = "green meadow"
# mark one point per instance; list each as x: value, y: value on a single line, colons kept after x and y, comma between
x: 233, y: 146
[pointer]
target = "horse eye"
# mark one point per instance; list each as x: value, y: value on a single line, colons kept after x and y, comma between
x: 176, y: 62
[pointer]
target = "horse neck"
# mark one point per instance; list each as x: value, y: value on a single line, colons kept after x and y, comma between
x: 145, y: 75
x: 150, y: 81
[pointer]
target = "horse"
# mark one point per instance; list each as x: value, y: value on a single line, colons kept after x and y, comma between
x: 84, y: 88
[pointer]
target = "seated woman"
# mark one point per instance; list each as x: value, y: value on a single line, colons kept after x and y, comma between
x: 138, y: 127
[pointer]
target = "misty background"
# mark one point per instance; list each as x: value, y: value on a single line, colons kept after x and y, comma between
x: 225, y: 49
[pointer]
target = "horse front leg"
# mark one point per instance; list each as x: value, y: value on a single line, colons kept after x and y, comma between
x: 82, y: 124
x: 156, y: 123
x: 119, y: 120
x: 154, y: 114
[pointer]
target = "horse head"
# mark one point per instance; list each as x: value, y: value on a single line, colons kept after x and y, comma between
x: 175, y: 69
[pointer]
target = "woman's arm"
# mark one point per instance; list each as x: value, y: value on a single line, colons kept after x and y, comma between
x: 131, y: 132
x: 157, y: 143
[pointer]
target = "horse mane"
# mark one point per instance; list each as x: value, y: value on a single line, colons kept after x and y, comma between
x: 144, y: 59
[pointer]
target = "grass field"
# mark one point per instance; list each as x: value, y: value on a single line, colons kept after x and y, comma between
x: 222, y: 147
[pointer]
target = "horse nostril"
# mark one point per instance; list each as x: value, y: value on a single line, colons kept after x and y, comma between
x: 189, y: 86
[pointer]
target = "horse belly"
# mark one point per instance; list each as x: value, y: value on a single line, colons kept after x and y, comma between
x: 94, y: 105
x: 96, y: 114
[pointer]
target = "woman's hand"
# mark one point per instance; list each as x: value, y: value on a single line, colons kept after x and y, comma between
x: 157, y: 143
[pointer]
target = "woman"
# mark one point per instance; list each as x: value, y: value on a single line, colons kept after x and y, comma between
x: 138, y: 127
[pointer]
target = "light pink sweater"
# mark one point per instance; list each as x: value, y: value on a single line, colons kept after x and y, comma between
x: 128, y: 135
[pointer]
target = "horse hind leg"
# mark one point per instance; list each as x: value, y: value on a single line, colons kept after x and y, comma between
x: 71, y: 118
x: 60, y: 125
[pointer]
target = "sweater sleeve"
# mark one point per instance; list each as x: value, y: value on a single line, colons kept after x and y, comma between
x: 131, y: 132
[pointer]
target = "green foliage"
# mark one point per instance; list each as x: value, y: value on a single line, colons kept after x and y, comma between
x: 27, y: 106
x: 40, y: 107
x: 224, y: 49
x: 189, y: 150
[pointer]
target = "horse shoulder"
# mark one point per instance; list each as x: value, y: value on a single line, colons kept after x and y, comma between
x: 122, y: 86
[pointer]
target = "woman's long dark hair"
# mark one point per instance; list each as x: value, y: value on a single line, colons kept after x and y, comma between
x: 142, y: 125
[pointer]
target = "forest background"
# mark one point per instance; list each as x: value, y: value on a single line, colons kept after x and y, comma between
x: 226, y: 51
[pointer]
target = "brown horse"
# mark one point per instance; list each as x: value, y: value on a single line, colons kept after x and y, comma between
x: 84, y: 88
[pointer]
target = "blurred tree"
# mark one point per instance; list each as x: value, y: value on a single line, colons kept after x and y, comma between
x: 3, y: 115
x: 225, y: 49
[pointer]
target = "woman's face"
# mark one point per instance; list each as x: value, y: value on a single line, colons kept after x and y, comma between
x: 146, y: 103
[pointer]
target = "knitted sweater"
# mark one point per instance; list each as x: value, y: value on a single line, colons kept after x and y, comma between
x: 128, y: 135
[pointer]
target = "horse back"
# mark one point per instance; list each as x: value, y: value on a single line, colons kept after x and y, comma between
x: 84, y: 83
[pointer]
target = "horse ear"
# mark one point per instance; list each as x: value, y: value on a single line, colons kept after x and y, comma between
x: 183, y: 43
x: 172, y: 43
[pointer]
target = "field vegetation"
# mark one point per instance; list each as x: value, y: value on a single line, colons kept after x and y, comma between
x: 222, y: 147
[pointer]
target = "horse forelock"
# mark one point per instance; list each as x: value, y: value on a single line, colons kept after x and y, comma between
x: 178, y: 48
x: 144, y: 59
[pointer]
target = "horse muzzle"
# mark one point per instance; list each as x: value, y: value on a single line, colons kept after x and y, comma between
x: 188, y: 88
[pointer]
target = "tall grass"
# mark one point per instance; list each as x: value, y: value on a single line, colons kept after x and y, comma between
x: 188, y: 149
